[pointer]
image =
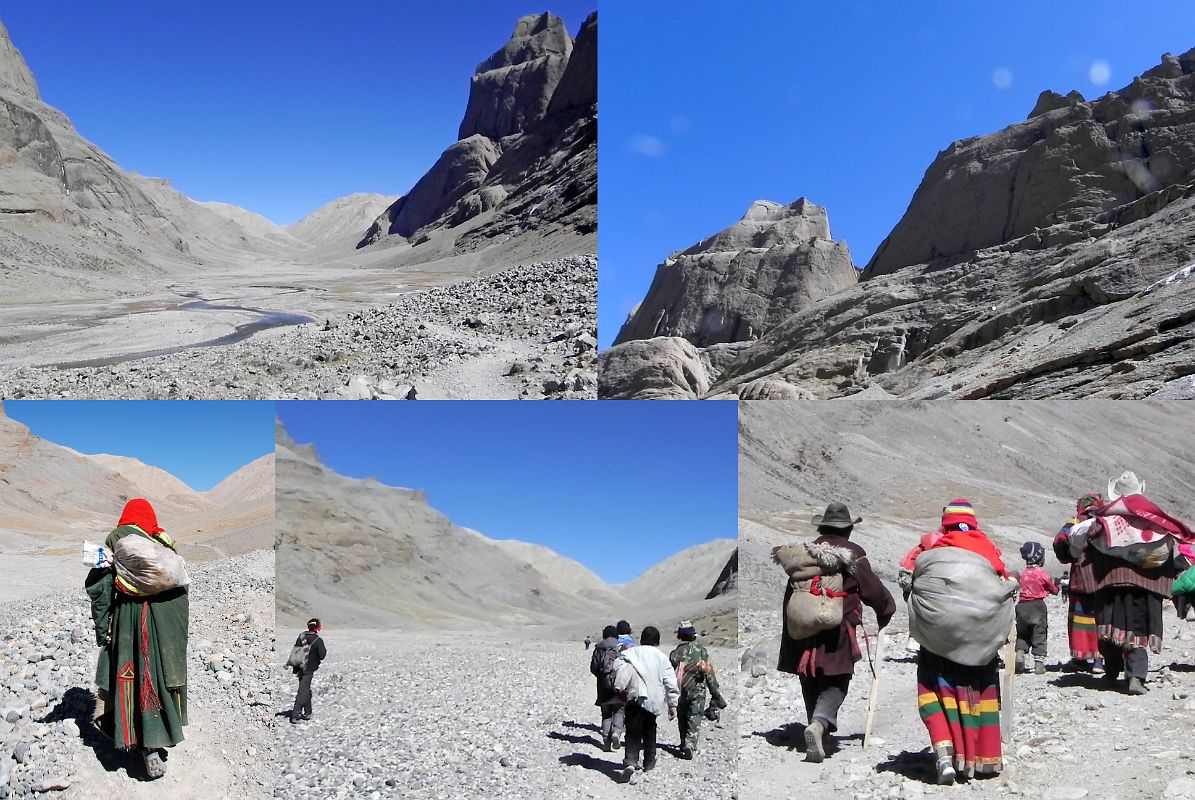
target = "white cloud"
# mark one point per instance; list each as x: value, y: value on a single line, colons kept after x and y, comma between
x: 650, y: 146
x: 1001, y: 78
x: 1099, y: 73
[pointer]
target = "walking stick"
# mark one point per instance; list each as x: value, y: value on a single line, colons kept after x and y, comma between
x: 1007, y: 696
x: 873, y: 698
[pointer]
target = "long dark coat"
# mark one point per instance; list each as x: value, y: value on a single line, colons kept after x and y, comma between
x: 837, y: 649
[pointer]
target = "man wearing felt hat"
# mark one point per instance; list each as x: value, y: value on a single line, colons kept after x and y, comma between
x: 825, y: 662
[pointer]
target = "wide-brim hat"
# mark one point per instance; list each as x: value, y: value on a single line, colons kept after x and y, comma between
x: 837, y: 516
x: 1124, y: 486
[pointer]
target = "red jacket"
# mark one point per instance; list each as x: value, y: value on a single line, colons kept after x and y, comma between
x: 927, y: 541
x: 1036, y: 584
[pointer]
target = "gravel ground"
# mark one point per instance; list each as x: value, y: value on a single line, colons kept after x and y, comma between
x: 47, y: 663
x: 1074, y: 736
x: 525, y: 332
x: 455, y: 716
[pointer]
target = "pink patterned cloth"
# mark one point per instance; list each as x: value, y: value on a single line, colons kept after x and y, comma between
x: 1133, y: 519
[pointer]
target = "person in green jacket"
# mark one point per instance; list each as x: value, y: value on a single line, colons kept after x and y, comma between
x: 141, y: 673
x: 698, y: 684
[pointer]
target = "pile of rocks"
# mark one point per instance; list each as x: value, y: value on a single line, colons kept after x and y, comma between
x: 477, y: 716
x: 47, y: 658
x: 525, y: 332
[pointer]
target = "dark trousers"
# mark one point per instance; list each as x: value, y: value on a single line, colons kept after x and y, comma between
x: 303, y: 696
x: 613, y: 720
x: 1182, y: 604
x: 1133, y: 663
x: 641, y: 734
x: 823, y: 697
x: 1032, y: 627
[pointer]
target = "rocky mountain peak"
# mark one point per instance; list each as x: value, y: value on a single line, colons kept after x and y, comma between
x: 14, y: 72
x: 734, y: 285
x: 1071, y: 160
x: 512, y: 88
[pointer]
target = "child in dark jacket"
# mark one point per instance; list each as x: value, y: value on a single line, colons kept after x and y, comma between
x: 1032, y: 619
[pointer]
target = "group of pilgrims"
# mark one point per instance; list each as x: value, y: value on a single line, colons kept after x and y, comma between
x: 1125, y: 557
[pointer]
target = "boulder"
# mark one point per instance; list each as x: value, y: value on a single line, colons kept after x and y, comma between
x: 664, y: 368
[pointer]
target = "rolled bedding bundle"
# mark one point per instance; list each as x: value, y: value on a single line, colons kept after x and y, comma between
x: 148, y: 566
x: 959, y: 608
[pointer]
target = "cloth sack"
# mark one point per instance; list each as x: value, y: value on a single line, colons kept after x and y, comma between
x: 297, y: 660
x: 96, y: 556
x: 148, y: 566
x: 959, y: 608
x: 816, y: 572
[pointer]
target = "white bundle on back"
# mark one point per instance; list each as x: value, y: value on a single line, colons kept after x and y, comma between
x: 149, y: 567
x: 959, y: 608
x: 96, y: 556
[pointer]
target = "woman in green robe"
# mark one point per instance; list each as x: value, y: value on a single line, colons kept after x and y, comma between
x: 141, y: 674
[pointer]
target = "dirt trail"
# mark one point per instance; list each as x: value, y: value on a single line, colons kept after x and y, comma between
x: 477, y: 716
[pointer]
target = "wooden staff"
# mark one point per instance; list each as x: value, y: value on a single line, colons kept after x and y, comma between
x: 873, y: 699
x: 1007, y: 697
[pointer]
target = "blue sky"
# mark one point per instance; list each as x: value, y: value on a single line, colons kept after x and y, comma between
x: 707, y: 109
x: 615, y: 485
x: 200, y: 442
x: 276, y: 107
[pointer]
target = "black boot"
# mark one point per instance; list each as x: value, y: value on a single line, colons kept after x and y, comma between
x: 686, y: 753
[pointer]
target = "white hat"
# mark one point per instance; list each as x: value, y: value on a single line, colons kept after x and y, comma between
x: 1125, y: 485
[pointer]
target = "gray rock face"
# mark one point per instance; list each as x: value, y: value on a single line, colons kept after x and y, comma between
x: 14, y: 72
x: 528, y: 153
x: 664, y: 368
x: 741, y: 281
x: 1070, y: 161
x: 461, y: 169
x: 1086, y: 301
x: 511, y: 89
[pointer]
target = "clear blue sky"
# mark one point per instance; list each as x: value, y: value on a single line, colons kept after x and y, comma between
x: 709, y: 106
x: 275, y: 106
x: 200, y: 442
x: 615, y: 485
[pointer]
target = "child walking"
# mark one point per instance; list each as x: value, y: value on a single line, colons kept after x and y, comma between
x: 1032, y: 620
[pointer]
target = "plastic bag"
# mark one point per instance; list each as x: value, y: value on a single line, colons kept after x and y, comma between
x: 96, y: 556
x: 148, y: 566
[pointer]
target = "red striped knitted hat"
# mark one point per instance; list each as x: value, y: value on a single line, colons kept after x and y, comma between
x: 958, y: 512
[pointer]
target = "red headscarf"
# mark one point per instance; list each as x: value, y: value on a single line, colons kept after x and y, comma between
x: 140, y: 513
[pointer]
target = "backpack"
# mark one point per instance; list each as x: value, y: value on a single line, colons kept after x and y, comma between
x: 605, y: 657
x: 816, y: 575
x: 299, y: 653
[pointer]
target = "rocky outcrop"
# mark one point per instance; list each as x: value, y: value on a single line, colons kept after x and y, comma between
x: 1083, y: 288
x: 741, y: 281
x: 14, y: 72
x: 527, y: 158
x: 1070, y: 161
x: 664, y: 368
x: 510, y: 91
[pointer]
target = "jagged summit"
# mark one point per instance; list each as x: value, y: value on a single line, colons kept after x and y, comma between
x: 511, y: 90
x: 734, y: 285
x: 1071, y: 160
x: 14, y: 72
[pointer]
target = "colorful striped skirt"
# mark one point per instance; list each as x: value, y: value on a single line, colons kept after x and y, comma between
x: 960, y: 706
x: 1080, y: 627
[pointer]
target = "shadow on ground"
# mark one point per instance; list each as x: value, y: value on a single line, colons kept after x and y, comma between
x: 78, y: 705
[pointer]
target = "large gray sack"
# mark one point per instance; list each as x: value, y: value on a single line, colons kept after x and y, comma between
x: 959, y: 608
x: 148, y: 566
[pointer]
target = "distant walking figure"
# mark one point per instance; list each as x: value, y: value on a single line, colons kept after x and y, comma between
x: 588, y: 641
x: 1032, y: 620
x: 646, y: 679
x: 309, y: 651
x: 602, y: 666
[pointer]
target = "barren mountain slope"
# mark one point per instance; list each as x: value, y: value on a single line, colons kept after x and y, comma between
x: 564, y: 573
x: 340, y: 221
x: 687, y: 575
x: 1050, y: 259
x: 252, y: 483
x: 1021, y: 464
x: 356, y: 551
